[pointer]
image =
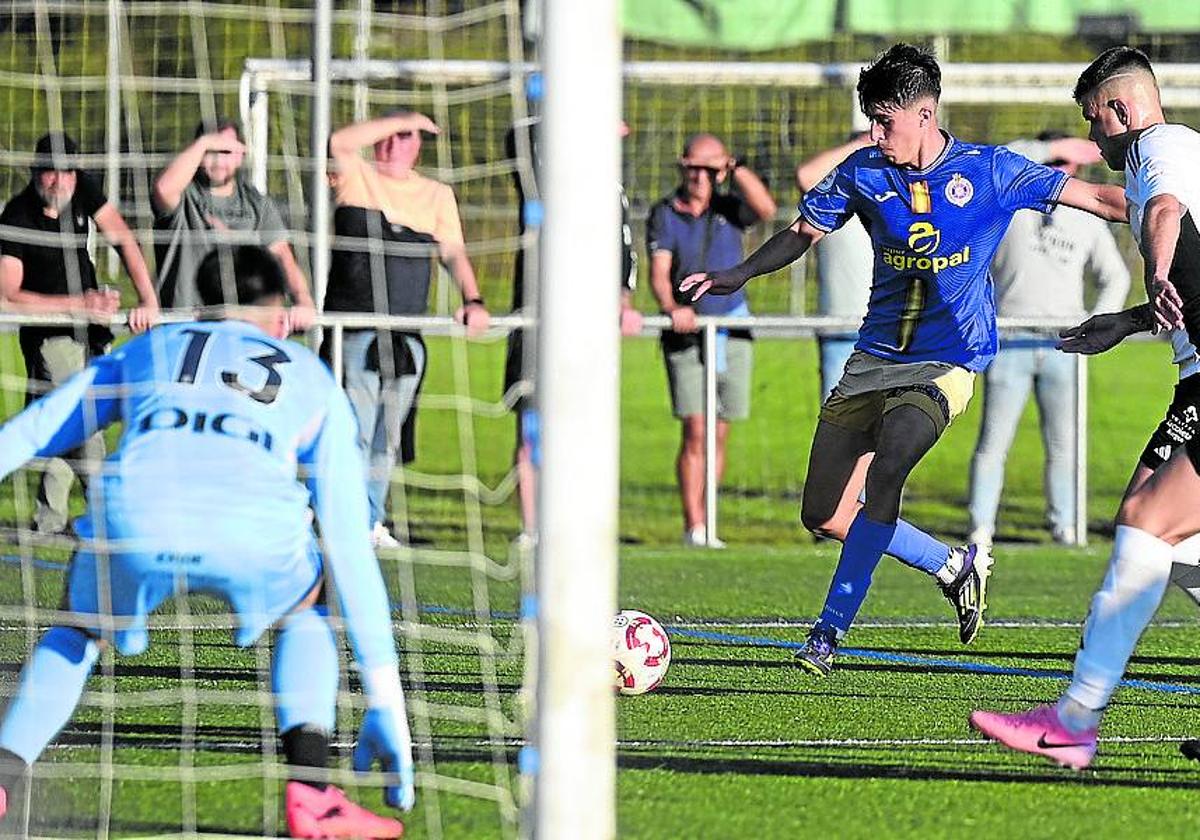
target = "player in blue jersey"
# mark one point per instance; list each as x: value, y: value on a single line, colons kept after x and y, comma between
x: 230, y: 436
x: 936, y: 209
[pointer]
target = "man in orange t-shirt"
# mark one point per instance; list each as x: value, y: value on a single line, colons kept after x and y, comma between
x: 391, y: 223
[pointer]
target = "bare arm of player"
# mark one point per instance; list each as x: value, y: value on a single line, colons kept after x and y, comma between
x: 1104, y: 200
x: 1105, y: 331
x: 782, y: 249
x: 1160, y: 234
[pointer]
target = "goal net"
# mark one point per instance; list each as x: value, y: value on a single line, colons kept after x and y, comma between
x: 181, y: 741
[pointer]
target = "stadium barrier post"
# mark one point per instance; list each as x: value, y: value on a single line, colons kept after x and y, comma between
x: 710, y: 434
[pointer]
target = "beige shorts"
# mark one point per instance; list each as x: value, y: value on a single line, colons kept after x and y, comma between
x: 872, y: 386
x: 685, y: 372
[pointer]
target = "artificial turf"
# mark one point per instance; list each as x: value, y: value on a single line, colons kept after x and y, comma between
x: 737, y: 742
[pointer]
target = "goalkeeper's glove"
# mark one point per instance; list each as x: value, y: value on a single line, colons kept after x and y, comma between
x: 384, y: 737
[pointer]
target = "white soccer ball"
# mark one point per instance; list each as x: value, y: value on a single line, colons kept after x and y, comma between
x: 641, y: 652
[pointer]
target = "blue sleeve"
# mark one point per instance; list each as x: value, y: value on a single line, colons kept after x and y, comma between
x: 827, y: 205
x: 64, y: 418
x: 659, y: 235
x: 337, y: 484
x: 1022, y: 184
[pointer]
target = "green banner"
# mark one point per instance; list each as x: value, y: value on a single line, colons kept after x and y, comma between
x: 767, y: 24
x: 729, y: 24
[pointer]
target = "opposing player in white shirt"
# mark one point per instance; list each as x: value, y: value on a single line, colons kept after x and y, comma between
x: 230, y: 435
x: 1161, y: 509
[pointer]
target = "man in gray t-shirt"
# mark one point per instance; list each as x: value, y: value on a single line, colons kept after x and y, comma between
x: 200, y: 202
x: 1039, y: 272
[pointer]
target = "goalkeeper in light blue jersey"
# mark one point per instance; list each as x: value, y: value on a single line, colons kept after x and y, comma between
x: 936, y: 208
x: 231, y: 435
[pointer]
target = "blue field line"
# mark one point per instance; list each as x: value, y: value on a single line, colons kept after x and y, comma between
x: 764, y: 641
x: 929, y: 661
x: 33, y: 561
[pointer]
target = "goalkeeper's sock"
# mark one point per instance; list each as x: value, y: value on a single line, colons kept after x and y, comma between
x: 51, y: 685
x: 307, y: 746
x: 861, y: 552
x: 304, y: 671
x: 913, y: 547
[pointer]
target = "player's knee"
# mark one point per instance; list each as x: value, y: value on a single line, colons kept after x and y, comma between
x: 822, y: 520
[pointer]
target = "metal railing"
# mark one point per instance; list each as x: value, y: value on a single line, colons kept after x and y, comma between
x: 779, y: 326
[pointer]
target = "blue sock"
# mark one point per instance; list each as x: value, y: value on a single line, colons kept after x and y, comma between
x: 304, y: 671
x: 864, y: 546
x: 913, y: 547
x: 50, y: 688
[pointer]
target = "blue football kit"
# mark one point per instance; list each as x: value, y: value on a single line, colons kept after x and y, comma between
x: 934, y: 232
x: 229, y: 438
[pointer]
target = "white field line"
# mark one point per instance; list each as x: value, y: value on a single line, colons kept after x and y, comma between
x: 731, y: 743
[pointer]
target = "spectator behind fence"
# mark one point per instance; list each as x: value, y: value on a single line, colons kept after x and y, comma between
x: 698, y: 228
x: 845, y: 262
x: 390, y: 223
x: 1039, y: 272
x: 45, y: 267
x: 520, y: 355
x: 201, y: 200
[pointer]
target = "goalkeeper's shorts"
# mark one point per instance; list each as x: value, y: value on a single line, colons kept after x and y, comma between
x: 112, y: 594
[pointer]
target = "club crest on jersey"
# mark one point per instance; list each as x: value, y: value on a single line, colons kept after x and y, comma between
x: 825, y: 183
x: 959, y: 190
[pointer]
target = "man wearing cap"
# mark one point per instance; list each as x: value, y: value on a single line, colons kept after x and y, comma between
x: 390, y: 224
x: 45, y: 267
x: 201, y: 201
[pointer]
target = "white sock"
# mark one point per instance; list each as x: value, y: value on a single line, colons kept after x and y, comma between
x: 1137, y: 577
x: 950, y: 570
x: 1187, y: 552
x: 1076, y: 716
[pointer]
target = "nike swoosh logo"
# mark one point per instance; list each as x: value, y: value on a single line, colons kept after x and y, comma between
x: 1046, y: 745
x: 882, y: 197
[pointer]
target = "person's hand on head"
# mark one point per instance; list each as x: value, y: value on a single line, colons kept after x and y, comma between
x: 420, y: 122
x: 224, y: 142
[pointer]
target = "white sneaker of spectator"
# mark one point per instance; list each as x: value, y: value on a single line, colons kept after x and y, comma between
x: 697, y: 537
x: 381, y: 537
